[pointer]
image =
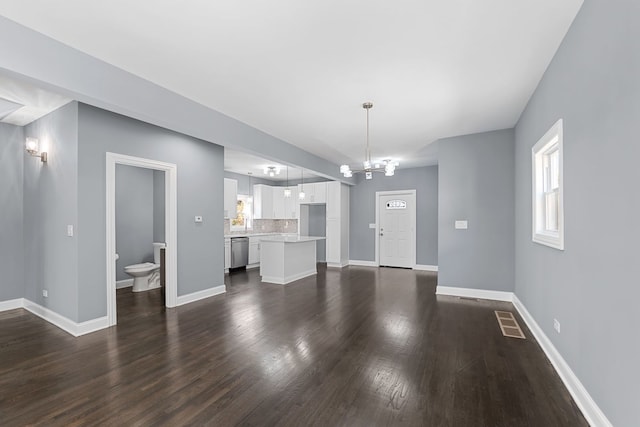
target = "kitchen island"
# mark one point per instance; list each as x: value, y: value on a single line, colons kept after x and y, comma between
x: 284, y: 259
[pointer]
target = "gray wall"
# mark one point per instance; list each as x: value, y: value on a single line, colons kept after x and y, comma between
x: 591, y: 287
x: 134, y: 217
x: 200, y: 189
x: 158, y: 206
x: 11, y: 200
x: 50, y: 204
x: 476, y: 184
x: 318, y: 227
x: 362, y: 212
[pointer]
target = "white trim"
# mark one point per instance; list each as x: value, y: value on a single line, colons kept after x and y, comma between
x: 288, y: 279
x: 474, y: 293
x: 126, y: 283
x: 423, y: 267
x: 336, y: 265
x: 64, y: 323
x: 594, y: 415
x: 363, y: 263
x: 197, y: 296
x: 552, y: 137
x: 414, y: 225
x: 250, y: 266
x: 11, y: 304
x: 171, y: 228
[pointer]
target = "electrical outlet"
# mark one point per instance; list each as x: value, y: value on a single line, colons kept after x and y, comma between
x: 556, y: 325
x: 45, y: 293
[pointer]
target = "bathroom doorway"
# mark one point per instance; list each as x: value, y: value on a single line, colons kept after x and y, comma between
x: 169, y: 231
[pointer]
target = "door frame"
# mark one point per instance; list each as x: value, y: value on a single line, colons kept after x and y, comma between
x: 412, y: 194
x: 170, y: 227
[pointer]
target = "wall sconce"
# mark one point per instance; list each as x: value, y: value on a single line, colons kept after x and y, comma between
x: 32, y: 145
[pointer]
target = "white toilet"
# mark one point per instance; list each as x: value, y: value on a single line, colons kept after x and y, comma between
x: 146, y: 276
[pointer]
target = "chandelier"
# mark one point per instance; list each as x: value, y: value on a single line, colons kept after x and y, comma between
x: 387, y: 166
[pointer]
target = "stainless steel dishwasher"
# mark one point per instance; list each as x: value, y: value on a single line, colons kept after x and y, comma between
x: 239, y: 252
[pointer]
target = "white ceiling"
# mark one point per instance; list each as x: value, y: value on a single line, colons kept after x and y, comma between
x: 243, y: 163
x: 300, y: 70
x: 22, y: 103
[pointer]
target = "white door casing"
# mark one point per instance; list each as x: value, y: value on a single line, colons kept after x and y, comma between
x: 171, y: 227
x: 396, y: 228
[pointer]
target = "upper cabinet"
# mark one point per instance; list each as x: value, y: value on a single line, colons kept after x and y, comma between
x: 230, y: 198
x: 263, y: 202
x: 285, y: 207
x: 314, y: 192
x: 270, y: 202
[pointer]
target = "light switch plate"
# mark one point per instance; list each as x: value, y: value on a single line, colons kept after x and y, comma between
x: 372, y: 226
x: 198, y: 218
x: 462, y: 224
x: 69, y: 230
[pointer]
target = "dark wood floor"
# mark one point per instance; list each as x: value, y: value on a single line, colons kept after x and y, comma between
x: 357, y: 347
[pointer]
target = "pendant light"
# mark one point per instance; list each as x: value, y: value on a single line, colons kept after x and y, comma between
x: 301, y: 194
x: 387, y: 166
x: 287, y: 190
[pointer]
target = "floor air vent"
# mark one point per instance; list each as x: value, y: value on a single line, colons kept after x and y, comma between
x: 509, y: 325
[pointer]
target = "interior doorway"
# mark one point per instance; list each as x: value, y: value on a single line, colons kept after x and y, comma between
x: 396, y: 228
x: 170, y: 188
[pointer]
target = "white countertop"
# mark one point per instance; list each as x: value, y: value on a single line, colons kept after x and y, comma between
x: 227, y: 236
x: 291, y: 239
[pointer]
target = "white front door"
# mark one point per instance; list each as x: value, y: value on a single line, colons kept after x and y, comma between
x: 397, y: 229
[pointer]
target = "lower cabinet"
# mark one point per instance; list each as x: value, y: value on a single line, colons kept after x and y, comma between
x: 254, y: 250
x: 227, y: 253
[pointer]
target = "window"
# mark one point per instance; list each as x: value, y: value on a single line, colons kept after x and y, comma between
x: 244, y: 209
x: 548, y: 215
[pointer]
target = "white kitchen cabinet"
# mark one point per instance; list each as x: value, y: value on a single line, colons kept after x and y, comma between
x: 254, y: 250
x: 320, y: 192
x: 315, y: 192
x: 230, y: 197
x: 337, y: 231
x: 333, y: 241
x: 278, y: 203
x: 227, y: 253
x: 262, y: 201
x: 333, y: 199
x: 291, y: 205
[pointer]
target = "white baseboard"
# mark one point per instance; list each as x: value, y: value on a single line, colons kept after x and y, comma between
x: 288, y: 279
x: 197, y: 296
x: 337, y: 264
x: 126, y: 283
x: 250, y: 266
x: 363, y: 263
x: 64, y: 323
x: 474, y: 293
x: 589, y: 408
x: 12, y: 304
x: 423, y: 267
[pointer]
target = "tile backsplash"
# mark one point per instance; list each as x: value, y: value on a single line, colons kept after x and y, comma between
x: 266, y: 226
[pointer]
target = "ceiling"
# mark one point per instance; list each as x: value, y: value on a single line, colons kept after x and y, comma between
x: 300, y: 71
x: 22, y: 103
x: 243, y: 163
